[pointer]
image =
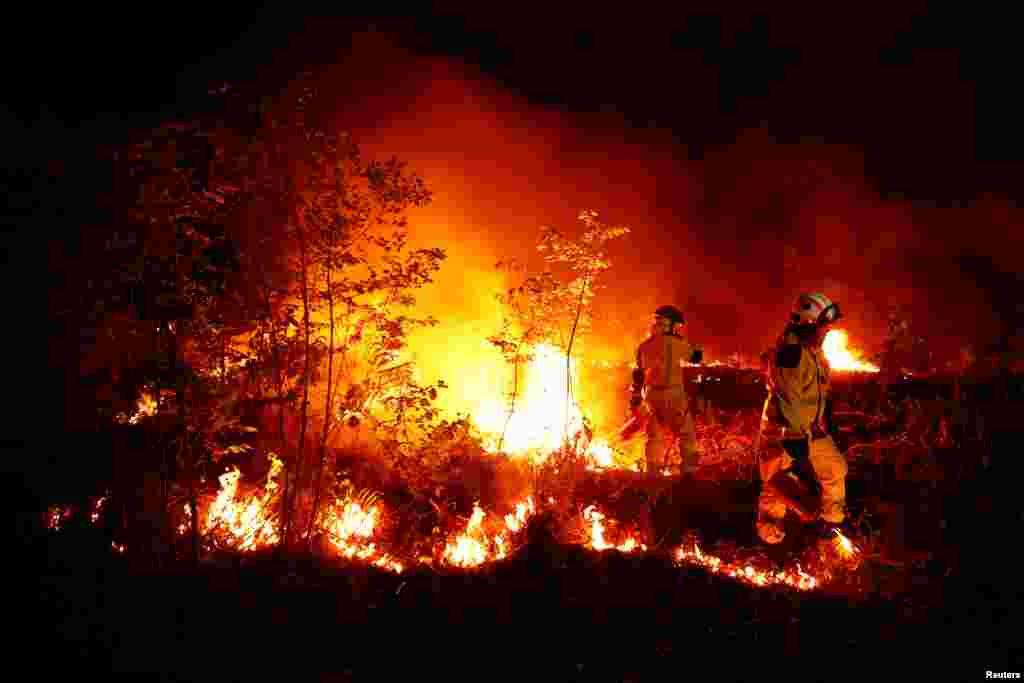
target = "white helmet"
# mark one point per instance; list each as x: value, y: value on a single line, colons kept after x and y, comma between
x: 814, y: 308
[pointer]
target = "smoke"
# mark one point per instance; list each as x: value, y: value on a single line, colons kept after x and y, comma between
x: 731, y: 238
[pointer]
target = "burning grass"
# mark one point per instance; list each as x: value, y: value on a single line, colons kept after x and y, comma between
x: 555, y: 474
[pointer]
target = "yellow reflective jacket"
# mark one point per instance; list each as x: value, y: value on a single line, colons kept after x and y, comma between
x: 660, y: 358
x: 798, y: 383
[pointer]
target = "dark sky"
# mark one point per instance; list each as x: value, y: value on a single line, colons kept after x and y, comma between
x: 928, y: 97
x: 906, y: 119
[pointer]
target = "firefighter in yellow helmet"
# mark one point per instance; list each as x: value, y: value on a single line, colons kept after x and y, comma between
x: 658, y: 383
x: 796, y: 422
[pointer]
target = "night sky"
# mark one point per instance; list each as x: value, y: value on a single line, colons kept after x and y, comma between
x: 694, y: 130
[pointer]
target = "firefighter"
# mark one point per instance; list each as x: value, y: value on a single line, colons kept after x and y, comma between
x: 658, y: 384
x: 795, y: 426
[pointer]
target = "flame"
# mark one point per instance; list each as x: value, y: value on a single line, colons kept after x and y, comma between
x: 144, y: 407
x: 542, y: 418
x: 842, y: 358
x: 597, y: 539
x: 599, y: 455
x: 843, y: 545
x: 97, y: 509
x: 56, y: 515
x: 245, y: 525
x: 350, y: 530
x: 472, y: 548
x: 796, y: 578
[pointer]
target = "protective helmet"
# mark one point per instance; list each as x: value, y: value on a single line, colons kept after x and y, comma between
x: 815, y: 308
x: 672, y: 313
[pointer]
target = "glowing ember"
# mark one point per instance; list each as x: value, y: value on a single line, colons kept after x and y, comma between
x: 350, y: 529
x: 796, y: 578
x: 597, y: 534
x: 842, y: 358
x: 245, y: 525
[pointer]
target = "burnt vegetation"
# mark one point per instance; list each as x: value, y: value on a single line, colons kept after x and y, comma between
x: 249, y: 298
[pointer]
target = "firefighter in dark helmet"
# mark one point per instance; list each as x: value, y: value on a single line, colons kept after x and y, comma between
x: 658, y: 384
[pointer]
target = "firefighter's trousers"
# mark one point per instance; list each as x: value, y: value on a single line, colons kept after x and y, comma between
x: 670, y: 422
x: 829, y: 469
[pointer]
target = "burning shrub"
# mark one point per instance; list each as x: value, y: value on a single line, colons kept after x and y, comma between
x: 246, y: 524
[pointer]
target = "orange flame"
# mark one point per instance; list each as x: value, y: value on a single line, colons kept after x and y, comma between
x: 843, y: 545
x: 246, y: 525
x: 747, y: 573
x: 840, y: 357
x: 350, y: 529
x: 472, y: 548
x: 542, y: 417
x: 145, y: 407
x: 597, y: 534
x: 55, y: 516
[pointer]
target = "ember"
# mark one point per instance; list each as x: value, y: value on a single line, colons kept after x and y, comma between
x: 796, y: 578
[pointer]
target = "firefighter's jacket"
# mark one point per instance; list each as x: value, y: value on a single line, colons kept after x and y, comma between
x: 798, y: 382
x: 659, y: 361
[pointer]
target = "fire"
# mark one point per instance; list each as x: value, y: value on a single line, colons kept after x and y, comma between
x: 747, y: 573
x: 842, y: 358
x: 246, y: 525
x: 541, y: 418
x: 597, y: 531
x: 473, y: 547
x: 56, y: 515
x: 97, y: 509
x: 350, y: 530
x: 843, y: 545
x: 144, y: 407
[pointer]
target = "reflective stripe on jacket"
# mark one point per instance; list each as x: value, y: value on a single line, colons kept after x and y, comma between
x: 660, y: 357
x: 798, y: 394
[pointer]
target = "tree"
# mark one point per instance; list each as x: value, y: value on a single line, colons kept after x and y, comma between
x: 171, y: 283
x: 346, y: 266
x: 554, y: 307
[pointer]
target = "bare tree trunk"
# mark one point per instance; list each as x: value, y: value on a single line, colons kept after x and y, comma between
x: 329, y: 401
x: 515, y: 395
x: 279, y: 382
x: 568, y: 357
x: 165, y: 469
x: 184, y: 447
x: 304, y: 408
